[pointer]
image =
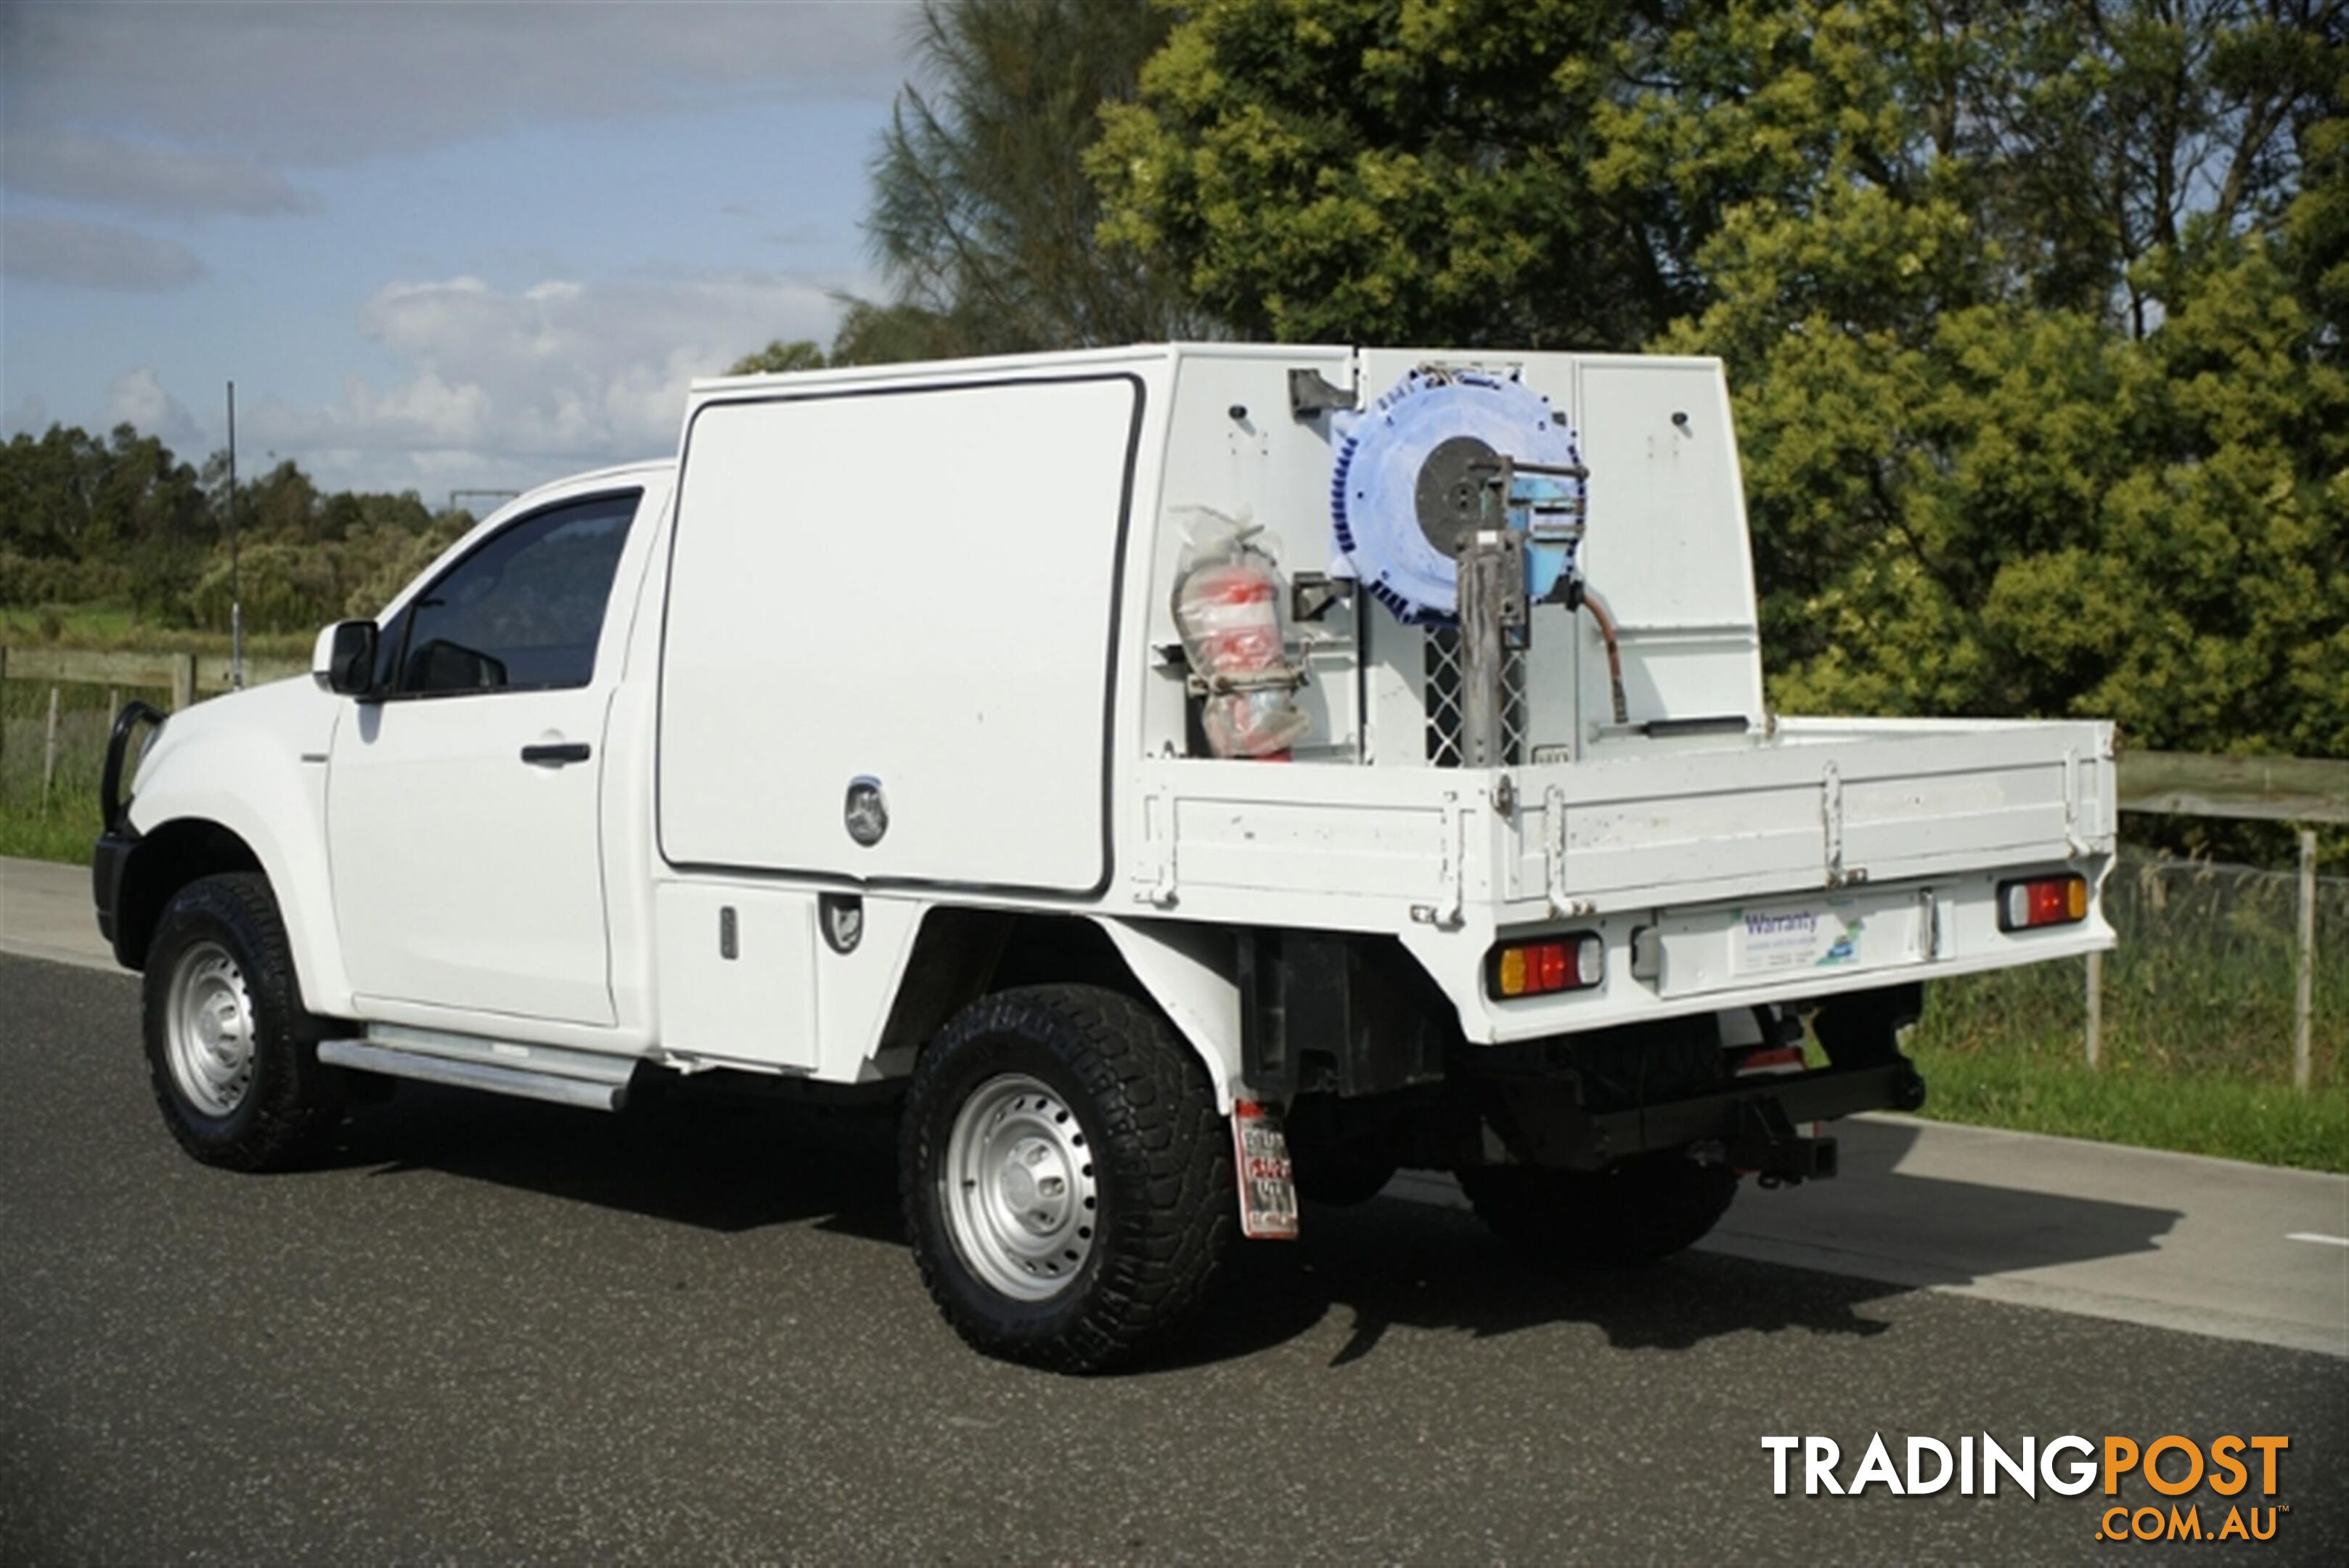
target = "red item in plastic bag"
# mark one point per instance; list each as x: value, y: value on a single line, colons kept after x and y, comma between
x: 1229, y: 611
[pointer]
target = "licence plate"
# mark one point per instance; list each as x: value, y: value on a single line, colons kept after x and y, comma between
x: 1268, y: 1186
x: 1783, y: 939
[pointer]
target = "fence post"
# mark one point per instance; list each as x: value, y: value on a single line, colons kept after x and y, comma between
x: 4, y: 718
x: 49, y: 755
x: 2303, y: 1002
x: 2096, y: 1008
x: 183, y: 682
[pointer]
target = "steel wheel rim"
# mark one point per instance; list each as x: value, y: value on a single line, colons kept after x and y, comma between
x: 208, y: 1030
x: 1018, y: 1188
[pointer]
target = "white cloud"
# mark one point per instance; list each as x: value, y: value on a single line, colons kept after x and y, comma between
x: 508, y: 387
x: 311, y: 84
x: 81, y: 254
x: 103, y: 171
x: 138, y: 399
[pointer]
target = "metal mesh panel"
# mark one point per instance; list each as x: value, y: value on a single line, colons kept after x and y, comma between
x: 1444, y: 707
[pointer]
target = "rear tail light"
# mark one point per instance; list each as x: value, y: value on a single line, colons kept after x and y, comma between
x: 1542, y: 968
x: 2042, y: 901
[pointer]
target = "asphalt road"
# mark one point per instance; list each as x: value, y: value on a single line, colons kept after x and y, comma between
x: 490, y: 1330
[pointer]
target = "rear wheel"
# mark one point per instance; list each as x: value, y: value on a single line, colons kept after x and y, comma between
x: 232, y: 1056
x: 1639, y: 1212
x: 1066, y: 1177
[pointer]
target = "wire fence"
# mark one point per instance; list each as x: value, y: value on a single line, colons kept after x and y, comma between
x: 2203, y: 980
x: 49, y: 769
x: 84, y: 717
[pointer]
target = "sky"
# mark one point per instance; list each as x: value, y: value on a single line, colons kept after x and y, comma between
x: 436, y: 245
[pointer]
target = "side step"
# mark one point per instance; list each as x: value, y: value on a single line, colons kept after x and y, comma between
x: 548, y: 1073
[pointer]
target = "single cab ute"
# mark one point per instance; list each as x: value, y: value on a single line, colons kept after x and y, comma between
x: 1175, y: 777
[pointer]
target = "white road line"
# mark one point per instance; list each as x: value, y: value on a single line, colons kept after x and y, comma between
x: 2321, y: 1240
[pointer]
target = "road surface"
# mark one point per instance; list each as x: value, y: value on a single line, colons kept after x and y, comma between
x: 492, y: 1330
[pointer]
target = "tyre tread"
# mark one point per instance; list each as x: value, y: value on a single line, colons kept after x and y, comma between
x: 298, y: 1099
x: 1158, y: 1111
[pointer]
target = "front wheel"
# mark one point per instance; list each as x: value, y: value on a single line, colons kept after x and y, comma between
x: 1640, y: 1210
x: 1066, y: 1177
x: 231, y: 1053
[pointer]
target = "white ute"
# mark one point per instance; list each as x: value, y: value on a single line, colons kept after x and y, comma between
x: 1142, y: 769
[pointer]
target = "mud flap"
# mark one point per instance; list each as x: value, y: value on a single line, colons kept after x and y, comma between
x: 1268, y: 1184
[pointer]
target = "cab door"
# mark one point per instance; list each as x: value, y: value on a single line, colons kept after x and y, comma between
x: 462, y: 799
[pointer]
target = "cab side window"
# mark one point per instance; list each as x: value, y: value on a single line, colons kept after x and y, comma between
x: 525, y: 610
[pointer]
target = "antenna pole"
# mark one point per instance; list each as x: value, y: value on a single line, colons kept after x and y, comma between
x: 235, y: 578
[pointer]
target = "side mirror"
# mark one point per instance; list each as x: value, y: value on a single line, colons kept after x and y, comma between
x: 343, y: 659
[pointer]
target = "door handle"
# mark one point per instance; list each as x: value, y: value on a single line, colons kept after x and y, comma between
x: 555, y: 756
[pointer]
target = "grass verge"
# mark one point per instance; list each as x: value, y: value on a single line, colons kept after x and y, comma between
x: 56, y: 819
x: 64, y: 832
x: 2196, y: 1052
x: 111, y: 628
x: 2026, y: 1090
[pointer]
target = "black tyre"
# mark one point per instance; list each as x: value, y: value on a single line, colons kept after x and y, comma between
x: 1640, y: 1211
x: 232, y: 1055
x: 1066, y: 1177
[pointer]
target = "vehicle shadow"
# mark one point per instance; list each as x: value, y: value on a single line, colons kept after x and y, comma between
x: 1391, y: 1264
x: 717, y: 1162
x: 732, y: 1166
x: 1808, y: 1259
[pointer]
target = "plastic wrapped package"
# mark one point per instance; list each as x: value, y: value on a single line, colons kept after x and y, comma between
x: 1229, y: 602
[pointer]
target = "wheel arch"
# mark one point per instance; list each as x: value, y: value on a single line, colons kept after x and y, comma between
x: 165, y: 860
x: 1185, y: 972
x: 174, y: 853
x: 245, y: 770
x: 1190, y: 972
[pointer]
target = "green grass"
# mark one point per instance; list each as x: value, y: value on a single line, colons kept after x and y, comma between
x: 58, y: 822
x: 2053, y: 1090
x: 2196, y: 1052
x: 63, y: 833
x: 112, y: 627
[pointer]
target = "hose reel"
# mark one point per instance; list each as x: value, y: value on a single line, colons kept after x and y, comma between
x: 1459, y: 499
x: 1422, y: 469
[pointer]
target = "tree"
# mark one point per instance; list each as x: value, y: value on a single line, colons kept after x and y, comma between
x: 1379, y: 171
x: 2119, y: 128
x: 983, y: 218
x: 2031, y: 310
x: 2012, y: 455
x: 779, y: 356
x: 1547, y: 172
x: 874, y: 333
x: 123, y: 521
x: 2316, y: 223
x: 81, y: 519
